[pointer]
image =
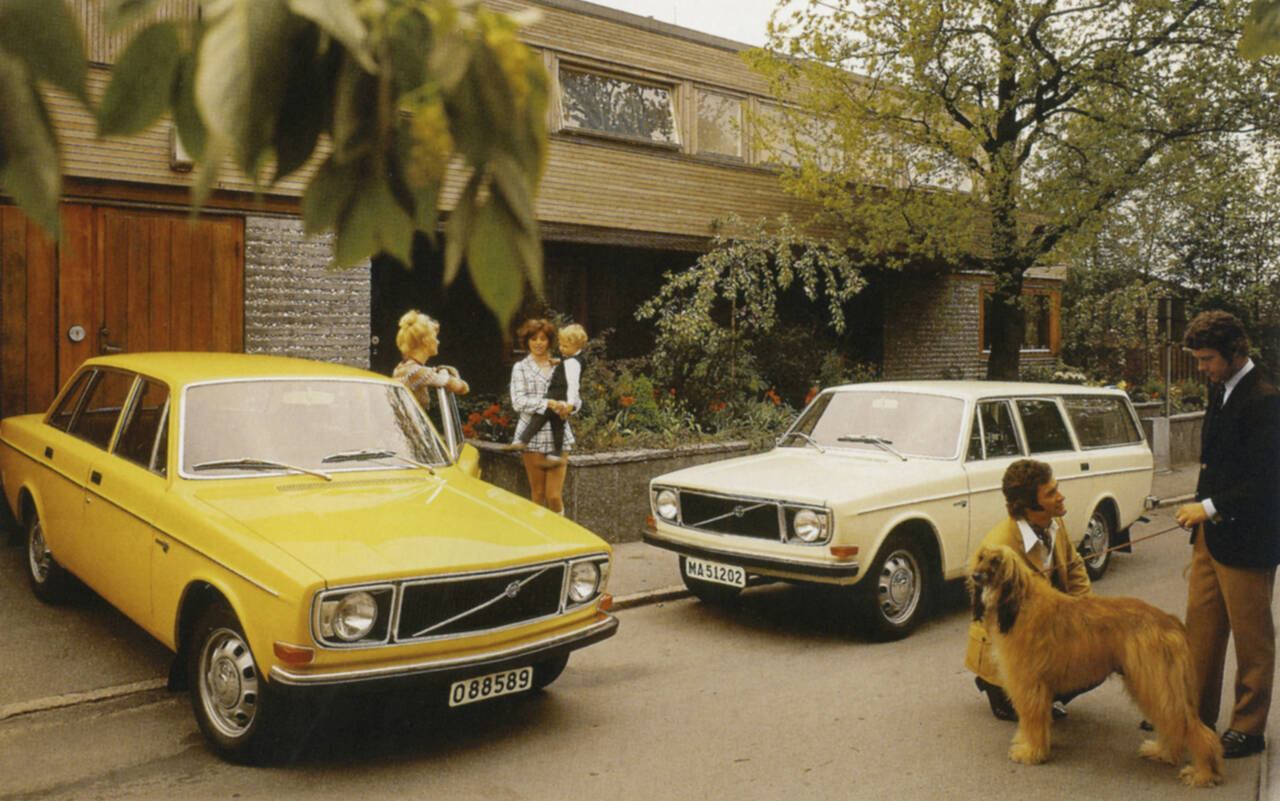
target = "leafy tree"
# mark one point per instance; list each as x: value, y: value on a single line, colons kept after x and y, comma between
x: 713, y: 319
x: 962, y: 135
x: 382, y: 95
x: 1211, y: 236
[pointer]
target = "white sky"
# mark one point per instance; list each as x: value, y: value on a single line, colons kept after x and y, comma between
x: 739, y: 20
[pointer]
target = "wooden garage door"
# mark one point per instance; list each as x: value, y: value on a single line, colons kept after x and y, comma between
x: 122, y: 280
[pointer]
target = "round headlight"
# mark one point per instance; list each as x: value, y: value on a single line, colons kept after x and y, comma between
x: 809, y: 526
x: 584, y: 580
x: 355, y: 616
x: 667, y: 504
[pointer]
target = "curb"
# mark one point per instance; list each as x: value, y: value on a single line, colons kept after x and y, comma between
x: 74, y: 699
x: 649, y: 597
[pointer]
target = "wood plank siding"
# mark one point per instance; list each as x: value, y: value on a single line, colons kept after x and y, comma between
x: 591, y: 182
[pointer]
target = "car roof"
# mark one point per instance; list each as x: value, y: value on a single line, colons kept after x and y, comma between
x: 981, y: 389
x: 179, y: 368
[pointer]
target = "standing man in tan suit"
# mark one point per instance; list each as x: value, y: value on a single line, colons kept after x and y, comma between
x: 1235, y: 524
x: 1034, y: 529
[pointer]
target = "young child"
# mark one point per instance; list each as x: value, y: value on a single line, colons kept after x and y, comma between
x: 565, y: 382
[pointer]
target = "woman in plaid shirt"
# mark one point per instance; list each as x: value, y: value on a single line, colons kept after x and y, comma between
x: 530, y: 378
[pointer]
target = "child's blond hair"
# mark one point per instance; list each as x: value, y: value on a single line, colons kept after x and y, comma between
x: 573, y: 335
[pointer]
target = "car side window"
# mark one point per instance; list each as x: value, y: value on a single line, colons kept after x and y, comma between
x: 97, y: 417
x: 1045, y: 429
x: 1102, y: 421
x: 999, y: 435
x: 65, y: 411
x: 139, y: 440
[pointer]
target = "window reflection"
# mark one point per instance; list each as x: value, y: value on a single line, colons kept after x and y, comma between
x: 719, y: 124
x: 606, y: 104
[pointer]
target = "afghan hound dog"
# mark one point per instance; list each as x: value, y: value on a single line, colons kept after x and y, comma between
x: 1049, y: 643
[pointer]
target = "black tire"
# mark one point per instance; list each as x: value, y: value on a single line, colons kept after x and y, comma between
x: 50, y: 581
x: 546, y: 672
x: 709, y: 592
x: 240, y: 715
x: 896, y: 589
x: 1097, y: 539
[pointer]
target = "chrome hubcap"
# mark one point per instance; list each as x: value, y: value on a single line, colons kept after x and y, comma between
x: 38, y: 554
x: 1095, y: 540
x: 228, y: 683
x: 898, y: 588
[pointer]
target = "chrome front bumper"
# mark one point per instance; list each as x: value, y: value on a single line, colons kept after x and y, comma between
x: 443, y: 671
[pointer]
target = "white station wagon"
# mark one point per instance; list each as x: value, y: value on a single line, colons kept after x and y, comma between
x: 884, y: 489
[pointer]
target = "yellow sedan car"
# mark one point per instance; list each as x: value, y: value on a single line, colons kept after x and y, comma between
x: 287, y: 526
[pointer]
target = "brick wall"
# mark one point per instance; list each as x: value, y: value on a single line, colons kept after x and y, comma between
x: 294, y: 304
x: 931, y: 328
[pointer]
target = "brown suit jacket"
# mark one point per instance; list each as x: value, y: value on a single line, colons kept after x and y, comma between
x: 1067, y: 574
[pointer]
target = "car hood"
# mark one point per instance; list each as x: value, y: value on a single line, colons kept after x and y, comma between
x: 831, y: 478
x: 367, y: 527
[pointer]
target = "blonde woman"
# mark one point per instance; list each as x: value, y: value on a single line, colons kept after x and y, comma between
x: 419, y: 340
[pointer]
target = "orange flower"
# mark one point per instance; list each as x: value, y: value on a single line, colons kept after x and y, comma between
x: 473, y: 418
x: 813, y: 391
x: 503, y: 422
x: 491, y: 412
x: 773, y: 396
x: 626, y: 400
x: 468, y: 431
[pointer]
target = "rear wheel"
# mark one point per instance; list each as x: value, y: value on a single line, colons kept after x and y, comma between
x: 894, y: 591
x: 50, y: 582
x: 709, y: 592
x: 1097, y: 539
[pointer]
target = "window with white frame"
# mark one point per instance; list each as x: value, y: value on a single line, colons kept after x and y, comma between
x: 616, y: 106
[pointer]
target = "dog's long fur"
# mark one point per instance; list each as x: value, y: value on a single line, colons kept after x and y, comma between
x: 1049, y: 643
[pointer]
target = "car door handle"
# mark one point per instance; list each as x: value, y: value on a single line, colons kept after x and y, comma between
x: 1084, y: 467
x: 48, y: 452
x: 96, y: 477
x: 961, y: 504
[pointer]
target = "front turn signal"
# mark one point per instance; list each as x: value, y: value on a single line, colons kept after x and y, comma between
x: 844, y: 551
x: 294, y: 654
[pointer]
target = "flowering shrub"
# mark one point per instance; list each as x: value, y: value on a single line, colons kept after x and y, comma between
x: 487, y: 418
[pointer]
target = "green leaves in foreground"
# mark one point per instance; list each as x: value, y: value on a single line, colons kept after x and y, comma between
x: 39, y: 42
x: 1261, y: 35
x: 403, y: 91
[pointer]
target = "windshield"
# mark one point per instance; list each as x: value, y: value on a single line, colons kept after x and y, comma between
x: 246, y: 428
x: 910, y: 424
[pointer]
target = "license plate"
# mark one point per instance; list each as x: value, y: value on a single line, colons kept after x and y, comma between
x: 703, y: 570
x: 480, y: 688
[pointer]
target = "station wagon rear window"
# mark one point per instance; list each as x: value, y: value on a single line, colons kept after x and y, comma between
x: 1101, y: 421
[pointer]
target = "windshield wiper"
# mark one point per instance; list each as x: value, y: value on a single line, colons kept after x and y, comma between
x: 369, y: 454
x: 258, y: 464
x: 878, y: 441
x: 806, y: 438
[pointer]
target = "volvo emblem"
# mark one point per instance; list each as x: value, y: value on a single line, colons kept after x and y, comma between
x: 512, y: 590
x: 738, y: 511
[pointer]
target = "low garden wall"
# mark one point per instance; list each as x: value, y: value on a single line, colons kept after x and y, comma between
x: 1174, y: 440
x: 607, y: 493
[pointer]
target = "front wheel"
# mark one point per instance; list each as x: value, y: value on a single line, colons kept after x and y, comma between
x: 241, y: 717
x: 894, y: 591
x: 50, y: 581
x: 709, y: 592
x: 1093, y: 548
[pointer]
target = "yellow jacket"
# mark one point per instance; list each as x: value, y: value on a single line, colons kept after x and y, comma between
x: 1067, y: 574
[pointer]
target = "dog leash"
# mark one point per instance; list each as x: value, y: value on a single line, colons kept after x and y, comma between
x: 1174, y: 527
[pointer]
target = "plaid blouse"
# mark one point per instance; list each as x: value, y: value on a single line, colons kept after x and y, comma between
x: 529, y: 397
x: 420, y: 379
